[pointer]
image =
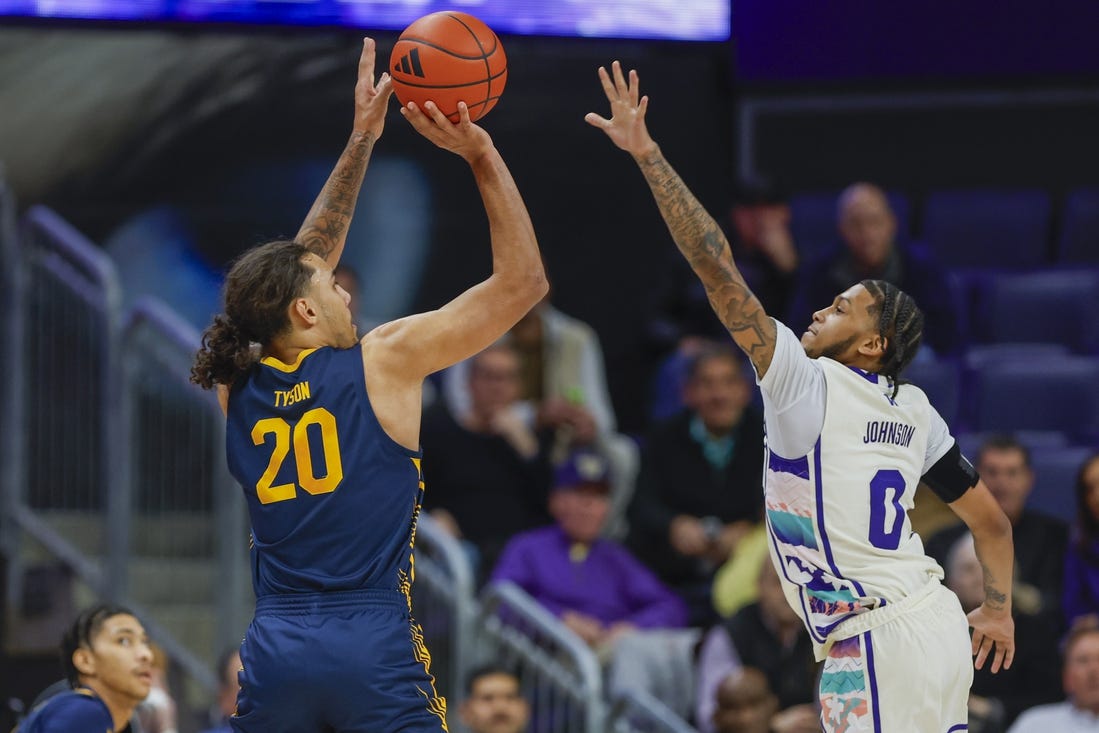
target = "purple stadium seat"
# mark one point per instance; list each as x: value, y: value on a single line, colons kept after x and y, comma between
x: 1048, y: 306
x: 1058, y: 394
x: 1079, y: 241
x: 1055, y: 472
x: 940, y: 380
x: 988, y: 228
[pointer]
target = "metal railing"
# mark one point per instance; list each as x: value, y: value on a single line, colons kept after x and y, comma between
x: 443, y: 603
x: 186, y: 527
x: 636, y: 711
x: 561, y: 676
x: 102, y: 440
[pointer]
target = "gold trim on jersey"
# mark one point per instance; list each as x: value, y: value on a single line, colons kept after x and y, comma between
x: 284, y: 367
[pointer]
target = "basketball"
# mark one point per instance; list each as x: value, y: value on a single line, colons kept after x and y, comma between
x: 449, y: 57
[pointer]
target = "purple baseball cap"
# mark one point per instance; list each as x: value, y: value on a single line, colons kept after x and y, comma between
x: 583, y: 467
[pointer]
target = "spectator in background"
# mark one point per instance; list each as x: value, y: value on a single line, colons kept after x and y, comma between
x: 228, y: 686
x: 995, y: 700
x: 563, y: 394
x: 746, y: 704
x: 868, y: 229
x: 766, y: 637
x: 1081, y: 596
x: 1080, y: 678
x: 1040, y: 541
x: 494, y: 702
x: 108, y: 664
x: 698, y: 490
x: 592, y: 584
x: 486, y: 469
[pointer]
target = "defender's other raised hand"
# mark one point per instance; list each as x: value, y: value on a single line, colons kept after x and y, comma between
x: 461, y: 138
x: 626, y: 127
x: 371, y: 100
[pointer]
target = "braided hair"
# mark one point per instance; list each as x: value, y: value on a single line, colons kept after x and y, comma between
x: 900, y: 323
x: 258, y: 290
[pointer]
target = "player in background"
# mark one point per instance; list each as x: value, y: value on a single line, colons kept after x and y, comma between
x: 847, y: 445
x: 108, y: 664
x: 323, y: 435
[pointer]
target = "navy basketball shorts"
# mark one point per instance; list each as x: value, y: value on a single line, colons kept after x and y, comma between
x: 347, y: 662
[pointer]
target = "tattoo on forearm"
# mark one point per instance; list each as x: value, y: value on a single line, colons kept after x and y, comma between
x: 701, y: 241
x: 327, y: 223
x: 994, y: 597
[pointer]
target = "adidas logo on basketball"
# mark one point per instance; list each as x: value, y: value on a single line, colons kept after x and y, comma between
x: 410, y: 64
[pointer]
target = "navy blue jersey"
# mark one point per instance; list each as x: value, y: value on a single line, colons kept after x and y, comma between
x: 333, y: 500
x: 76, y: 711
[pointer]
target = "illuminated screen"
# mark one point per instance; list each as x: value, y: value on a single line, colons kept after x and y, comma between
x: 688, y: 20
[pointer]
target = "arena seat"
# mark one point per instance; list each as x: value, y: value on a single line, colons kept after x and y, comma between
x: 1002, y: 228
x: 940, y: 379
x: 1079, y: 240
x: 1055, y: 472
x: 1048, y: 306
x: 1039, y: 394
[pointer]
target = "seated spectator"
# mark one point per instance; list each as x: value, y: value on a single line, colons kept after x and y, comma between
x: 995, y: 700
x: 698, y: 490
x: 563, y: 394
x: 108, y: 665
x: 736, y: 583
x: 592, y: 584
x: 868, y: 228
x: 1080, y: 678
x: 486, y: 471
x: 766, y: 637
x: 1040, y: 541
x: 745, y: 704
x: 1081, y: 596
x: 494, y: 702
x: 228, y: 686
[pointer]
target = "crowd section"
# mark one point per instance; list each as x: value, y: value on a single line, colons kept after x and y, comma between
x: 652, y: 547
x: 666, y: 576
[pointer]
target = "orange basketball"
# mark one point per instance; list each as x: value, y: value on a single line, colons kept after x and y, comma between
x: 449, y: 57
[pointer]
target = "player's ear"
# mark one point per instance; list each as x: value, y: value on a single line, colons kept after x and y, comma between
x: 84, y: 661
x: 302, y: 310
x: 874, y: 346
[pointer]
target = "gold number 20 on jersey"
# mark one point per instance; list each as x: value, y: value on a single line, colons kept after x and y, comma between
x: 303, y: 459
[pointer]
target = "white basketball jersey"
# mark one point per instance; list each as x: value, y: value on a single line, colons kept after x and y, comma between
x: 838, y: 517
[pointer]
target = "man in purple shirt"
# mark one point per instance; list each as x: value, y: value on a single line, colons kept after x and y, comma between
x: 595, y: 586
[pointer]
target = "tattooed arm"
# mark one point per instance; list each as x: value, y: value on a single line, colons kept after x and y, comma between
x: 991, y: 621
x: 325, y: 228
x: 695, y: 232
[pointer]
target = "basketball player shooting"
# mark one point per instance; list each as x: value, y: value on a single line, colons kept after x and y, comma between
x: 847, y: 445
x: 323, y: 435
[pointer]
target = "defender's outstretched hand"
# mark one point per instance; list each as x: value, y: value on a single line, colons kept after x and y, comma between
x: 461, y: 138
x: 626, y: 127
x: 371, y: 100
